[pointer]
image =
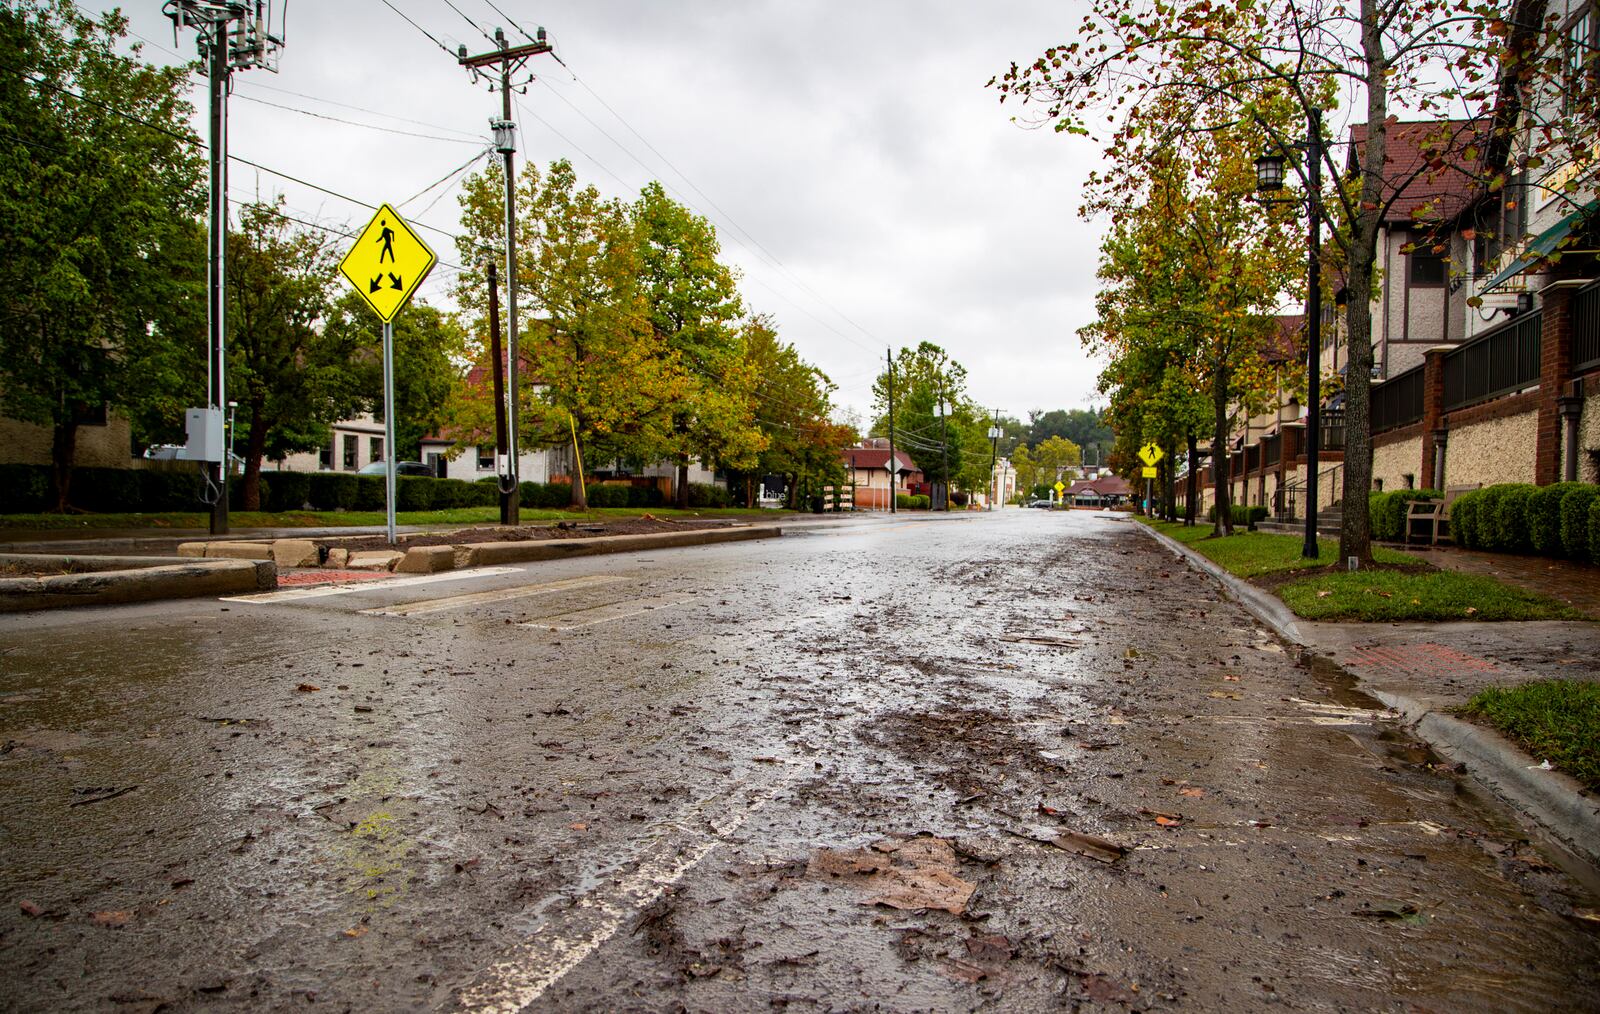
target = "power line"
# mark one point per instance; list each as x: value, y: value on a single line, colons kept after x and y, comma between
x: 458, y: 170
x: 469, y: 21
x: 359, y: 109
x: 520, y: 30
x: 419, y: 28
x: 357, y: 123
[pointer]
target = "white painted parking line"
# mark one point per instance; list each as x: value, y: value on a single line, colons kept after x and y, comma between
x: 530, y: 968
x: 606, y: 614
x: 426, y: 606
x: 297, y: 594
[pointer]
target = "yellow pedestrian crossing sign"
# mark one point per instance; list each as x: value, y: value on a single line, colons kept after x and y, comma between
x: 387, y: 263
x: 1060, y: 487
x: 1150, y: 454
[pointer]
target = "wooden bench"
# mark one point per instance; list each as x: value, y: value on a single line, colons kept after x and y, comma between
x: 1434, y: 514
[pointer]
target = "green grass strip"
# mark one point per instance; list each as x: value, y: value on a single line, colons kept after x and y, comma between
x: 346, y: 519
x: 1250, y: 554
x: 1378, y: 596
x: 1554, y: 720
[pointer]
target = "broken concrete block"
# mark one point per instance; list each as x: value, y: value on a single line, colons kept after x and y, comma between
x: 295, y: 553
x: 238, y: 551
x: 192, y: 548
x: 378, y: 560
x: 427, y: 560
x: 337, y: 557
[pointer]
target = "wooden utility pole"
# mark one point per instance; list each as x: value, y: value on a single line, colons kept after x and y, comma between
x: 894, y: 508
x: 509, y: 59
x: 507, y: 488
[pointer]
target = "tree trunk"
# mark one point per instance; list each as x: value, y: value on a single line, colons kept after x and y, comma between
x: 63, y: 448
x: 1219, y: 455
x: 254, y: 451
x: 1171, y: 483
x: 1355, y: 532
x: 681, y: 494
x: 1193, y: 492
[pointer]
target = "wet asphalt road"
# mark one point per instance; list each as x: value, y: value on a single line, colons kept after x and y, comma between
x: 701, y: 779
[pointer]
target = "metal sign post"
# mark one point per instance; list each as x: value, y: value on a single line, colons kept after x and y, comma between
x: 389, y: 490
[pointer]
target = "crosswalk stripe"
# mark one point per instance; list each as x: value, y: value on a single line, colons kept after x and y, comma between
x: 297, y: 594
x: 426, y: 606
x: 605, y: 614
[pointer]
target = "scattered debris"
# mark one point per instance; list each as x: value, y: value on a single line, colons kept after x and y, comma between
x: 913, y: 875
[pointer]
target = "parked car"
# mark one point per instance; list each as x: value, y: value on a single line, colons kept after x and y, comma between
x: 400, y: 468
x: 1046, y: 504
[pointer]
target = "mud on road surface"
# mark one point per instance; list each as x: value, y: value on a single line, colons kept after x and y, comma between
x: 1022, y: 762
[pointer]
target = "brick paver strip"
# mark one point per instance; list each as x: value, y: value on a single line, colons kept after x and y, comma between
x: 296, y: 578
x: 1418, y: 659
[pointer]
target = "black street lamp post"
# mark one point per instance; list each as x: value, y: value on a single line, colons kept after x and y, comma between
x: 1269, y: 177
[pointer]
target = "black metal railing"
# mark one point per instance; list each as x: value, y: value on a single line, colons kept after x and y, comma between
x: 1499, y: 362
x: 1398, y: 401
x: 1586, y: 328
x: 1287, y: 500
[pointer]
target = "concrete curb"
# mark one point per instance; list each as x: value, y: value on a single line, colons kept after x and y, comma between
x: 1551, y: 799
x: 1268, y: 608
x: 486, y: 554
x: 121, y: 580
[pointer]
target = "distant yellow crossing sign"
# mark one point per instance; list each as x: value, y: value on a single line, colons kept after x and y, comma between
x: 1150, y: 454
x: 387, y: 263
x: 1060, y: 487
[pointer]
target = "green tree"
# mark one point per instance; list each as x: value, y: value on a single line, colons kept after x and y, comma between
x: 694, y: 306
x: 1086, y: 427
x: 291, y: 375
x: 924, y: 377
x: 588, y: 341
x: 100, y: 183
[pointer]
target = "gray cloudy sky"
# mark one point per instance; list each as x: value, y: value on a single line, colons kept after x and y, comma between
x: 869, y: 188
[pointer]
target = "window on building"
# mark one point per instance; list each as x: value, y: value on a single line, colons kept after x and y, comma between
x: 1428, y: 264
x: 485, y: 458
x: 350, y: 452
x: 436, y: 463
x: 1377, y: 485
x: 374, y: 448
x: 325, y: 456
x: 1581, y: 59
x: 1410, y: 479
x: 89, y: 413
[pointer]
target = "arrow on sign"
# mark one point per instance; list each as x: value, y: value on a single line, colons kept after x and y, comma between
x: 375, y: 284
x: 395, y: 283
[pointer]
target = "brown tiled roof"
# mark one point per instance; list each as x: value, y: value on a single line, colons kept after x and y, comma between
x: 1110, y: 485
x: 1424, y: 160
x: 876, y: 457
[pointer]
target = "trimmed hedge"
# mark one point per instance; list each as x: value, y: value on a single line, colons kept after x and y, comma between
x: 1594, y: 530
x: 1554, y: 520
x: 1244, y: 516
x: 1544, y: 517
x: 707, y: 495
x: 907, y: 502
x: 1576, y: 538
x: 1388, y: 511
x: 291, y: 491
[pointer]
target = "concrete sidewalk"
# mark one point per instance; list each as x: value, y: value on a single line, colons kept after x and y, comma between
x: 1426, y: 671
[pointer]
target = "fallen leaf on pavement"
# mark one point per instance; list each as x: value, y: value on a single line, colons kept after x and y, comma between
x: 356, y: 931
x: 579, y: 826
x: 1168, y: 822
x: 307, y: 688
x: 111, y: 918
x: 1088, y: 845
x: 29, y: 908
x: 1193, y: 791
x: 912, y: 875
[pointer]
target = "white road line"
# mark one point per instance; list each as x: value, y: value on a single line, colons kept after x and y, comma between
x: 523, y: 974
x: 295, y: 594
x: 606, y: 614
x: 425, y: 606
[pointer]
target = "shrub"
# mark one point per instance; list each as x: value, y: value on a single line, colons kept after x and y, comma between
x: 902, y: 501
x: 1594, y: 530
x: 236, y: 491
x: 25, y: 489
x: 110, y: 490
x: 1465, y: 514
x: 707, y: 495
x: 1575, y: 540
x: 1544, y: 517
x: 332, y: 491
x: 1508, y: 519
x: 608, y: 495
x: 291, y: 491
x: 413, y: 493
x: 171, y: 489
x: 921, y: 502
x: 372, y: 492
x: 1388, y: 511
